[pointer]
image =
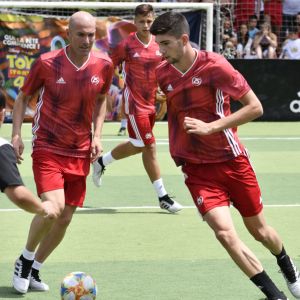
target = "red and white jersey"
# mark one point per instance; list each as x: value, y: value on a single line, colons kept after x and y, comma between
x: 138, y: 62
x: 67, y: 97
x: 202, y: 92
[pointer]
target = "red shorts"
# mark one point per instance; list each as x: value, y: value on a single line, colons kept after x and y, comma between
x: 53, y: 172
x: 219, y: 184
x: 140, y: 129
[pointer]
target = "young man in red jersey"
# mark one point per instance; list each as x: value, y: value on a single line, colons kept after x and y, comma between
x: 140, y: 56
x: 73, y: 82
x: 204, y: 142
x: 10, y: 179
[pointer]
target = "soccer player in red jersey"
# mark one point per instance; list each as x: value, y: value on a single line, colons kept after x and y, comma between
x: 72, y: 84
x: 204, y: 142
x: 140, y: 56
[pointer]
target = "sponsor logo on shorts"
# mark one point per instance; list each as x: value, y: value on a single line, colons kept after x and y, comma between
x: 200, y: 200
x: 95, y: 80
x: 148, y: 136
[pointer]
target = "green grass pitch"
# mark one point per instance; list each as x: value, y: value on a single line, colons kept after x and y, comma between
x: 135, y: 251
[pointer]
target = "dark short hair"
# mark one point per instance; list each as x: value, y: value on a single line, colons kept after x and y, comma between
x: 253, y: 17
x: 171, y: 23
x: 2, y: 100
x: 144, y: 10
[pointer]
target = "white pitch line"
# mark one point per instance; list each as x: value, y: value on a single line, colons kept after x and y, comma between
x: 166, y: 141
x: 145, y: 207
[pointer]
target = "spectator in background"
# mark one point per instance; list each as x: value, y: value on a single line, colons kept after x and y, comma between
x: 265, y: 42
x: 228, y: 33
x: 244, y: 42
x: 273, y: 8
x: 290, y: 9
x: 229, y: 50
x: 291, y: 46
x: 252, y: 26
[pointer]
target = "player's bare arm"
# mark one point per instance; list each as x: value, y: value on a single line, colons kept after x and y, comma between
x: 98, y: 120
x: 251, y: 110
x: 18, y: 117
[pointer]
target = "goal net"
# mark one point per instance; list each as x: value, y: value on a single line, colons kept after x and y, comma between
x: 30, y: 28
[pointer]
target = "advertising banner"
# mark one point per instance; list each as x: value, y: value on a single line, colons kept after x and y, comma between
x: 277, y: 85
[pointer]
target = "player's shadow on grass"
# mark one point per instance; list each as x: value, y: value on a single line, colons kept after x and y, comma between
x: 7, y: 292
x: 108, y: 211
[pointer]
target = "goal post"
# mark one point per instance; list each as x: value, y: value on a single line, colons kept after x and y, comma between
x: 207, y: 7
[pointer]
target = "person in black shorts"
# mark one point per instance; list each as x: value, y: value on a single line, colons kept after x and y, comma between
x: 10, y: 179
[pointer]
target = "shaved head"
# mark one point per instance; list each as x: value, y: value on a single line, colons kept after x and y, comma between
x: 81, y: 36
x: 81, y: 18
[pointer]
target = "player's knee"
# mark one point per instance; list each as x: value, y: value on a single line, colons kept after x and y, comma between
x: 64, y: 220
x: 226, y: 237
x: 260, y: 234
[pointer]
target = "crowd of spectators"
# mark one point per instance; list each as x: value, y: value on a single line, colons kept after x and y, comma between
x: 262, y: 29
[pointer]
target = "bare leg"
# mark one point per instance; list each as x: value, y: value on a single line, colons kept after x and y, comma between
x: 125, y: 149
x: 263, y: 233
x: 150, y: 162
x: 219, y: 219
x: 55, y: 235
x: 40, y: 226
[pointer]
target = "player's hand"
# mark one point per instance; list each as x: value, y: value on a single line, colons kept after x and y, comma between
x: 96, y: 149
x: 196, y: 126
x: 18, y: 147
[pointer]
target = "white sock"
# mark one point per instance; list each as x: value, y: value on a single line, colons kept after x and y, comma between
x: 159, y: 187
x: 124, y: 123
x: 37, y: 265
x: 28, y: 254
x: 107, y: 158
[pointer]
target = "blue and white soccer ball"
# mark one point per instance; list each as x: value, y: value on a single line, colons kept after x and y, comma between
x: 78, y: 286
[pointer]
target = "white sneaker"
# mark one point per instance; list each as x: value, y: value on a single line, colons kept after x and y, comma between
x: 98, y: 170
x: 21, y: 275
x: 294, y: 287
x: 167, y: 203
x: 35, y: 283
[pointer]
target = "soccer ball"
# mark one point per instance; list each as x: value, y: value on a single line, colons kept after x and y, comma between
x: 78, y: 286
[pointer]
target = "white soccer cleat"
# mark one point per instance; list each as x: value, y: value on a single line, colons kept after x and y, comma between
x: 21, y: 275
x: 294, y: 287
x: 98, y: 170
x: 167, y: 203
x: 35, y: 283
x: 292, y: 277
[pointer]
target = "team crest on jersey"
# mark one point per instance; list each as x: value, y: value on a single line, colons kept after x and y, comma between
x: 148, y: 136
x: 196, y: 81
x: 95, y: 80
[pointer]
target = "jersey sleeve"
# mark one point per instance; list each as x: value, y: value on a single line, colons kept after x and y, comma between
x: 108, y: 71
x: 117, y: 54
x: 34, y: 81
x: 228, y: 79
